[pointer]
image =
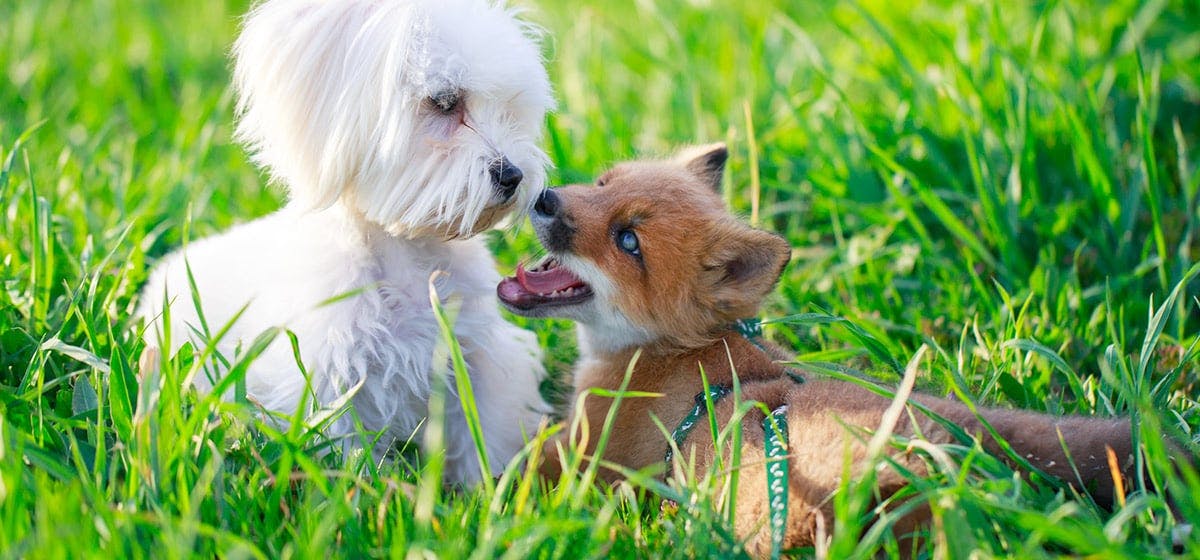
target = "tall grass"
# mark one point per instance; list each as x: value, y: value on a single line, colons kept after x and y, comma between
x: 1011, y: 187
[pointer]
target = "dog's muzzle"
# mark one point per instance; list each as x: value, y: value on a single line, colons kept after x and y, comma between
x: 506, y: 177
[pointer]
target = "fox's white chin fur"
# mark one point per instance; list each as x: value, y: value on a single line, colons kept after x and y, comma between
x: 384, y: 120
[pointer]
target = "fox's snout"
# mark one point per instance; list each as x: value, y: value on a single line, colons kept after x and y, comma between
x: 553, y: 226
x: 547, y: 204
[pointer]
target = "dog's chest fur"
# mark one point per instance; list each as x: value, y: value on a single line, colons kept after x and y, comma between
x: 390, y: 324
x: 358, y: 301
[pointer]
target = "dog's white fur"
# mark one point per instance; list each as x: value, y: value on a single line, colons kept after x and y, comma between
x: 336, y: 99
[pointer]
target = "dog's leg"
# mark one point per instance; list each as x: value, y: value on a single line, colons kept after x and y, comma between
x: 506, y: 370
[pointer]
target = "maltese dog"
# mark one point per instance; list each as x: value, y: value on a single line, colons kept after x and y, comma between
x: 400, y: 129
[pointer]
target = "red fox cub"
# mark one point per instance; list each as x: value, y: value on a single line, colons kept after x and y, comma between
x: 649, y: 259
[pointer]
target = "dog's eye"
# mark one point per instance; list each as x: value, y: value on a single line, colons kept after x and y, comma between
x: 627, y: 241
x: 446, y: 101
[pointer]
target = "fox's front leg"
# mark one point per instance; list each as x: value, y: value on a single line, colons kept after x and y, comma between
x: 553, y: 455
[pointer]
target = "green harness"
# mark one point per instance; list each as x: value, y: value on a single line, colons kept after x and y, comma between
x: 775, y: 443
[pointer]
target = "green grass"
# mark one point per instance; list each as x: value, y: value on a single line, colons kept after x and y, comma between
x: 1010, y: 186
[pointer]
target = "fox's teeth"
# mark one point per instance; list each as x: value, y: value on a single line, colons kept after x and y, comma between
x: 565, y: 292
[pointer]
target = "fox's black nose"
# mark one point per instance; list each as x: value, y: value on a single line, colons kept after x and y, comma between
x: 506, y: 177
x: 547, y: 204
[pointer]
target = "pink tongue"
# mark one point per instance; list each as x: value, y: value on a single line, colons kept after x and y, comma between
x: 547, y: 281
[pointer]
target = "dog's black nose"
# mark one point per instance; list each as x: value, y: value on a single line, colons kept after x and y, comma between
x: 506, y: 176
x: 547, y: 204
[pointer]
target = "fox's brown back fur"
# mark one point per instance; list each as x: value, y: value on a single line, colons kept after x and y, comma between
x: 700, y: 269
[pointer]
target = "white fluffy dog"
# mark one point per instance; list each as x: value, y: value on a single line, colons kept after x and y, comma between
x: 400, y: 128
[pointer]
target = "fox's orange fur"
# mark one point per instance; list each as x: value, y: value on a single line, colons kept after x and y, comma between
x: 697, y: 269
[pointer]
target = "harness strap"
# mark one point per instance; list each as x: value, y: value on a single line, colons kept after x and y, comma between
x: 715, y: 393
x: 750, y: 329
x: 775, y: 445
x: 776, y: 449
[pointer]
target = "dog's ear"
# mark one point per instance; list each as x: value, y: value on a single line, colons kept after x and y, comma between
x: 706, y: 162
x: 742, y: 267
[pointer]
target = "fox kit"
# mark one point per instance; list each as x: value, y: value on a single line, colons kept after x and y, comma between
x: 649, y: 259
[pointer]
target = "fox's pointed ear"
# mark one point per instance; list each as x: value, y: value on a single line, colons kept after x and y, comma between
x: 743, y: 267
x: 706, y: 162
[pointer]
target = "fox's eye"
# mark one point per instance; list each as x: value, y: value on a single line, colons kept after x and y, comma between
x: 628, y: 242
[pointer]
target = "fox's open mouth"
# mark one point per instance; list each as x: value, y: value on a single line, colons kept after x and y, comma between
x: 546, y: 284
